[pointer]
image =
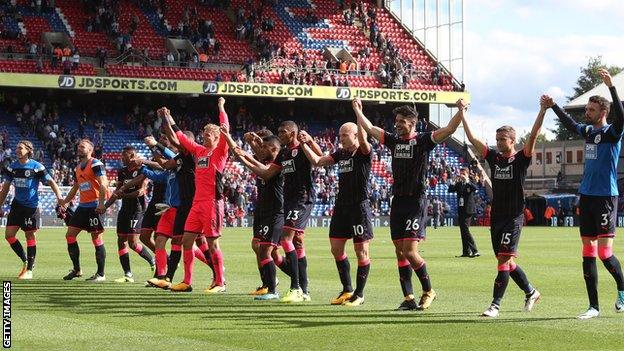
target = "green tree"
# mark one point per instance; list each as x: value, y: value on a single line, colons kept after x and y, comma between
x: 588, y: 80
x: 541, y: 137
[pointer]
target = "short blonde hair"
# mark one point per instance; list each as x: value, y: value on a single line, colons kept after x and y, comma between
x: 212, y: 129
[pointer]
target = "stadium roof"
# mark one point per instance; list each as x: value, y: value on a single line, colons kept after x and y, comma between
x: 601, y: 89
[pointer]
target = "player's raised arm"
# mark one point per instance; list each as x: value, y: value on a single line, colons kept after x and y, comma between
x: 166, y: 127
x: 476, y: 142
x: 225, y: 133
x: 263, y: 171
x: 254, y: 141
x: 316, y: 160
x: 442, y: 133
x: 306, y: 139
x: 183, y: 140
x: 537, y: 126
x: 157, y: 148
x: 366, y: 124
x: 365, y: 146
x: 565, y: 119
x: 618, y: 123
x: 223, y: 117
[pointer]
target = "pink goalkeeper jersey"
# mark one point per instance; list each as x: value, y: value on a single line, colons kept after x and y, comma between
x: 209, y: 165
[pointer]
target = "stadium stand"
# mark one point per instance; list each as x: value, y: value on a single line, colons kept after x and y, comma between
x: 280, y: 42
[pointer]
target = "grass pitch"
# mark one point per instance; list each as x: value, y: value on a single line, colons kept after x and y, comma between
x: 52, y: 314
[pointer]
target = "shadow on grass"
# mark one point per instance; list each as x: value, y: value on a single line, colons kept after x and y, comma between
x: 132, y: 300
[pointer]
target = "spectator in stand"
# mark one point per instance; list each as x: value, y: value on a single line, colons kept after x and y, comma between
x: 39, y: 64
x: 67, y: 65
x: 56, y: 57
x: 66, y: 53
x: 343, y: 67
x: 75, y: 59
x: 217, y: 47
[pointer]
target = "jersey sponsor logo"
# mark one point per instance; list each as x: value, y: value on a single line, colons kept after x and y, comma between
x: 21, y: 183
x: 591, y: 151
x: 202, y: 162
x: 403, y: 151
x: 288, y: 166
x: 503, y: 172
x: 597, y: 139
x: 345, y: 166
x: 85, y: 186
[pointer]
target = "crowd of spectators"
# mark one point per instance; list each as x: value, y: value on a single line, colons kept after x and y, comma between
x: 253, y: 23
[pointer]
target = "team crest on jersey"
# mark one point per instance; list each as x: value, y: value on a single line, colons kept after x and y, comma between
x: 504, y: 173
x: 597, y: 139
x: 403, y: 150
x: 135, y: 173
x: 511, y: 159
x: 27, y: 173
x: 294, y: 152
x: 288, y: 166
x: 202, y: 162
x: 412, y: 142
x: 345, y: 166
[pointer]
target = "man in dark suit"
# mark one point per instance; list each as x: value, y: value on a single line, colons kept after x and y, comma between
x: 465, y: 190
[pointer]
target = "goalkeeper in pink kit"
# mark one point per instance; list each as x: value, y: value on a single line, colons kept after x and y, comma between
x: 206, y: 214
